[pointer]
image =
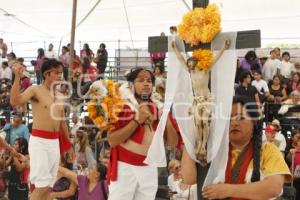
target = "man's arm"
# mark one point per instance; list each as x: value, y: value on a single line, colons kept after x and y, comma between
x: 121, y: 135
x: 64, y: 129
x: 171, y: 135
x: 16, y: 98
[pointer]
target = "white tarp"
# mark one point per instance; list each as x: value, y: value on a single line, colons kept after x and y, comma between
x: 52, y: 18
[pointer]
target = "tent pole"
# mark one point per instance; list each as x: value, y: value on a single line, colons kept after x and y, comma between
x: 74, y: 12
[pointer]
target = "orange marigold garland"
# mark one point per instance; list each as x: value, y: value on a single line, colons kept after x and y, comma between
x: 104, y: 112
x: 200, y: 25
x: 204, y: 59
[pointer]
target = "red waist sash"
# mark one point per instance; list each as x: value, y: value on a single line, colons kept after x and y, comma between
x: 119, y: 153
x: 45, y: 134
x: 64, y: 142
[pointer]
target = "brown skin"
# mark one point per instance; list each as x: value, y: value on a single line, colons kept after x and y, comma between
x: 270, y: 136
x: 46, y: 115
x: 143, y: 86
x: 240, y: 134
x: 93, y: 176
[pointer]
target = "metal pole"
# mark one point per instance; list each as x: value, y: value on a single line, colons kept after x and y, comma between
x: 74, y: 12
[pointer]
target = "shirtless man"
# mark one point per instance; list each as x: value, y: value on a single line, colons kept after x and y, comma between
x: 130, y: 178
x: 48, y: 126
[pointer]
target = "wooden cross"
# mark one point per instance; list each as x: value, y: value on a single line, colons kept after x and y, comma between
x: 245, y: 39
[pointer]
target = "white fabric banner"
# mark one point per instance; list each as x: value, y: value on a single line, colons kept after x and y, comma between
x: 222, y: 88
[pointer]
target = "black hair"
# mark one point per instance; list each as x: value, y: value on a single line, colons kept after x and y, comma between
x: 135, y: 72
x: 65, y: 48
x: 255, y: 67
x: 23, y: 146
x: 258, y: 71
x: 49, y: 64
x: 244, y: 75
x: 277, y: 76
x: 102, y: 170
x: 102, y: 45
x: 173, y: 28
x: 20, y: 60
x: 250, y: 55
x: 41, y: 53
x: 257, y: 133
x: 13, y: 55
x: 85, y: 64
x: 285, y: 54
x: 160, y: 67
x: 87, y: 48
x: 5, y: 63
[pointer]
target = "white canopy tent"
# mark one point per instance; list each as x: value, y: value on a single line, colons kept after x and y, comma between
x: 37, y: 21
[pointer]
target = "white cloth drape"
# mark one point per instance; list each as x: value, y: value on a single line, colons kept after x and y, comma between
x: 179, y: 95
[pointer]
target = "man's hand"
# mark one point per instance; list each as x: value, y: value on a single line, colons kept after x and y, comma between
x: 217, y: 191
x: 18, y: 69
x: 143, y: 114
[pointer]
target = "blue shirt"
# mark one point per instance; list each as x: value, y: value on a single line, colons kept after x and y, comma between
x: 12, y: 133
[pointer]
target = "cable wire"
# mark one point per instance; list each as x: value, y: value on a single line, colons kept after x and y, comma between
x: 24, y: 23
x: 128, y: 24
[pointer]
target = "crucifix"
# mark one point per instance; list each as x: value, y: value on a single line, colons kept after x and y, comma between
x: 245, y: 39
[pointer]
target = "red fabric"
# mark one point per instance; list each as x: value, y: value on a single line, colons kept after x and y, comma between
x: 297, y: 158
x: 122, y: 154
x: 24, y: 175
x: 243, y: 169
x: 45, y: 134
x: 157, y: 56
x: 64, y: 143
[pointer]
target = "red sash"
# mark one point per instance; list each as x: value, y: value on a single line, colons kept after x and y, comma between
x: 243, y: 168
x: 64, y: 143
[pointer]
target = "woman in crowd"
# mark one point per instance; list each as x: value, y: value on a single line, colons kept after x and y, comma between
x: 89, y: 75
x: 276, y: 97
x: 86, y: 52
x: 101, y: 58
x: 11, y: 59
x: 92, y: 186
x: 84, y: 153
x: 250, y: 60
x: 295, y: 81
x: 65, y: 59
x: 18, y: 174
x: 39, y: 62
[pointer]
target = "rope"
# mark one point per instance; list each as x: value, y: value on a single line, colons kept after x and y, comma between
x: 24, y: 23
x: 186, y: 5
x: 86, y: 16
x: 128, y: 24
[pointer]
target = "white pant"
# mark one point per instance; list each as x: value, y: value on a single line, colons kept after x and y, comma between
x: 44, y: 161
x: 134, y: 183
